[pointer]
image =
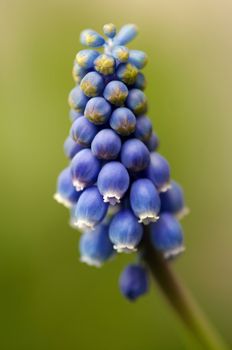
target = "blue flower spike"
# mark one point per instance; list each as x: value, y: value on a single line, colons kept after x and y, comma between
x: 134, y: 281
x: 167, y: 236
x: 117, y: 187
x: 91, y: 38
x: 95, y: 246
x: 113, y: 182
x: 145, y: 201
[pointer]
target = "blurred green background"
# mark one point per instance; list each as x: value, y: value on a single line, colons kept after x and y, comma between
x: 48, y: 299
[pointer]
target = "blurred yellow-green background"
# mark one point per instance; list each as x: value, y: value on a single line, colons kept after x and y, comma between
x: 48, y: 299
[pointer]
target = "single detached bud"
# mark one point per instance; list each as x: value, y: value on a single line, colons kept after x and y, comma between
x: 125, y: 231
x: 145, y: 201
x: 158, y: 172
x: 135, y: 155
x: 71, y: 148
x: 126, y: 34
x: 137, y: 102
x: 113, y: 182
x: 66, y: 193
x: 77, y: 99
x: 133, y: 281
x: 86, y: 58
x: 121, y: 53
x: 116, y: 92
x: 167, y: 236
x: 78, y: 72
x: 138, y: 58
x: 73, y: 115
x: 92, y: 84
x: 95, y: 246
x: 98, y: 110
x: 85, y: 169
x: 82, y: 131
x: 105, y: 64
x: 127, y: 73
x: 123, y: 121
x: 91, y: 38
x: 90, y: 209
x: 106, y: 144
x: 109, y: 30
x: 140, y: 82
x: 143, y: 128
x: 172, y: 201
x: 153, y: 142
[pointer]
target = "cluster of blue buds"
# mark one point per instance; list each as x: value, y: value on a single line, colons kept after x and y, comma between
x: 116, y: 182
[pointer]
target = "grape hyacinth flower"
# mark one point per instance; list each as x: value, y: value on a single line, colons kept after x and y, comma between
x: 117, y: 187
x: 116, y: 180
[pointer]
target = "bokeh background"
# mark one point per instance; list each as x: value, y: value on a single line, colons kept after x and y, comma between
x: 48, y: 299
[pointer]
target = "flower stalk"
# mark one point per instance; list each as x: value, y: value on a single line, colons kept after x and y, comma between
x: 180, y: 298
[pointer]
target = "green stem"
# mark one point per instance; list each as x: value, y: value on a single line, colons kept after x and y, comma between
x: 180, y: 298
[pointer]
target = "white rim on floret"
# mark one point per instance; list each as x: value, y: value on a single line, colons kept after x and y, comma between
x: 148, y: 217
x: 90, y: 261
x: 58, y: 197
x: 112, y: 198
x: 125, y: 248
x: 79, y: 185
x: 174, y: 252
x: 182, y: 213
x: 165, y: 187
x: 83, y: 224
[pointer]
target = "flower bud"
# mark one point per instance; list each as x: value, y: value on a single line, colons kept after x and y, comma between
x: 66, y: 193
x: 138, y: 58
x: 113, y: 181
x: 167, y: 236
x: 123, y: 121
x: 121, y: 53
x: 143, y: 128
x: 158, y: 172
x: 91, y: 38
x: 116, y: 92
x: 172, y: 201
x: 78, y: 72
x: 71, y: 148
x: 95, y: 246
x: 127, y: 73
x: 90, y: 209
x: 77, y: 99
x: 73, y: 115
x: 140, y: 81
x: 145, y: 201
x: 84, y: 168
x: 137, y: 101
x: 104, y: 64
x: 82, y: 131
x: 153, y: 142
x: 109, y: 30
x: 92, y: 84
x: 86, y: 58
x: 125, y: 231
x: 126, y: 34
x: 133, y: 281
x: 135, y: 155
x: 106, y: 144
x: 97, y: 110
